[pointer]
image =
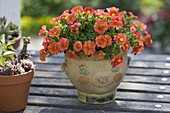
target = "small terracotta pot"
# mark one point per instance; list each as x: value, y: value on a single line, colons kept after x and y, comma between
x: 17, y: 42
x: 14, y: 91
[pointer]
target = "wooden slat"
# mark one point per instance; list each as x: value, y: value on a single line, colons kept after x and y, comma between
x: 39, y: 109
x: 124, y: 86
x: 120, y: 95
x: 118, y: 105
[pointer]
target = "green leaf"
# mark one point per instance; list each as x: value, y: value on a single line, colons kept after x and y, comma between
x: 9, y: 53
x: 11, y: 47
x: 2, y: 38
x: 2, y: 61
x: 10, y: 42
x: 2, y: 46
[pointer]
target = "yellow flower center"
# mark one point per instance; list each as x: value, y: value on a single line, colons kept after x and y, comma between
x: 88, y: 12
x: 55, y: 32
x: 64, y: 44
x: 113, y: 14
x: 89, y: 47
x: 101, y: 16
x: 100, y: 26
x: 121, y: 39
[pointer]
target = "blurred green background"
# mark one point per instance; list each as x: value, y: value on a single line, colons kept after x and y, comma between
x: 155, y: 13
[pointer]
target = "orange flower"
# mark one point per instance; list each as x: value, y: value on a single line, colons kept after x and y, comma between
x: 46, y: 42
x: 113, y: 11
x: 101, y: 54
x: 109, y: 40
x: 78, y: 46
x: 126, y: 46
x: 117, y: 21
x: 75, y: 27
x: 101, y: 26
x: 42, y: 30
x: 63, y: 44
x: 42, y: 55
x: 116, y: 61
x: 53, y: 48
x: 55, y: 31
x: 137, y: 34
x: 77, y: 9
x: 148, y: 40
x: 88, y: 10
x: 54, y: 21
x: 89, y: 47
x: 137, y: 49
x: 71, y: 54
x: 120, y: 38
x: 101, y: 41
x: 132, y: 15
x: 139, y: 25
x: 101, y: 13
x: 71, y: 18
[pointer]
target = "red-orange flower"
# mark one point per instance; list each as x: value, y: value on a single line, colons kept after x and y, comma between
x: 120, y: 38
x: 46, y: 42
x: 55, y: 31
x: 148, y: 40
x: 42, y: 30
x: 75, y: 26
x: 137, y: 49
x: 109, y: 40
x: 113, y: 11
x: 89, y: 47
x: 78, y: 46
x: 42, y: 55
x: 116, y: 61
x: 71, y: 54
x: 101, y: 26
x: 101, y: 41
x: 63, y: 44
x: 88, y: 10
x: 117, y: 21
x: 126, y: 46
x: 71, y: 18
x: 101, y: 54
x: 54, y: 21
x: 77, y: 9
x: 139, y: 25
x: 132, y: 15
x: 53, y: 48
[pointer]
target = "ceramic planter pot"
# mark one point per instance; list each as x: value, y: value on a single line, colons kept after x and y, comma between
x: 96, y: 81
x: 14, y: 91
x: 17, y: 42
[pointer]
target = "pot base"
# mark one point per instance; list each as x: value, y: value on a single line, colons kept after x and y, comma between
x: 96, y: 98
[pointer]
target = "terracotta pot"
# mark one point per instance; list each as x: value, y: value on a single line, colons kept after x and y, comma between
x: 17, y: 42
x: 14, y: 91
x: 95, y: 80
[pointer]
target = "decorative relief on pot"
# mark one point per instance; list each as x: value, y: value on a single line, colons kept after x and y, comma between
x: 83, y: 80
x: 118, y: 77
x: 115, y: 69
x: 83, y: 69
x: 102, y: 79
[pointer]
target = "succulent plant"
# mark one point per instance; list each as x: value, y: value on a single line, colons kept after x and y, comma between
x: 12, y: 63
x: 10, y: 30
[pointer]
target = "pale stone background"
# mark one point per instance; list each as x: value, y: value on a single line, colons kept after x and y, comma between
x: 11, y: 10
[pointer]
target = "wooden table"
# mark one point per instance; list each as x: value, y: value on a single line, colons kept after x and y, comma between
x: 145, y: 88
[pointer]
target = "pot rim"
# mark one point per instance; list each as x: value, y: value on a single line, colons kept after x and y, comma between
x: 17, y: 79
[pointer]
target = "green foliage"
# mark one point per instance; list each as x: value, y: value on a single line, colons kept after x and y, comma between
x: 6, y: 50
x: 10, y: 30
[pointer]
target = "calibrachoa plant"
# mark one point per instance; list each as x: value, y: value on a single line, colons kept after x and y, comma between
x: 85, y: 31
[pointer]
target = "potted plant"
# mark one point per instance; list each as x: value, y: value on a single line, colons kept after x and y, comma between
x: 16, y: 73
x: 95, y: 43
x: 11, y: 31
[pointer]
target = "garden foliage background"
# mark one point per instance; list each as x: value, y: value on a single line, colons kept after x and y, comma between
x: 155, y: 13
